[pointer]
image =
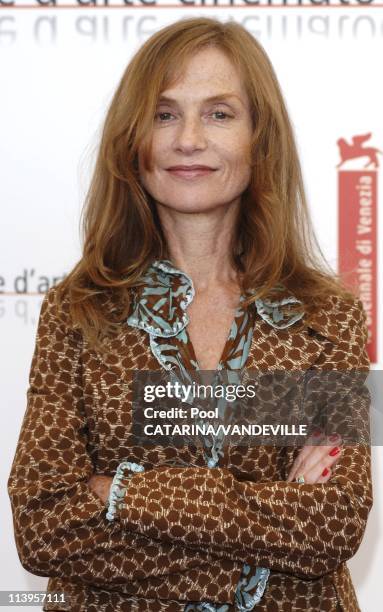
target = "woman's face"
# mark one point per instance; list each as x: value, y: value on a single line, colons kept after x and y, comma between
x: 191, y: 128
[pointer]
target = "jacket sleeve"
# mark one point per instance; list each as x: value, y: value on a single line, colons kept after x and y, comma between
x: 304, y: 529
x: 60, y: 524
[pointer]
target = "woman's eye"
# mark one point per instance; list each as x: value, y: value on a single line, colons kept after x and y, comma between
x: 160, y: 115
x: 221, y: 113
x: 164, y: 116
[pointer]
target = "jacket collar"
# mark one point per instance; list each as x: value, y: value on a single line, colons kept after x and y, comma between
x: 161, y: 302
x: 295, y: 347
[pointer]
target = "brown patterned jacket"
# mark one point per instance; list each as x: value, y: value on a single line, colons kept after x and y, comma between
x: 77, y: 422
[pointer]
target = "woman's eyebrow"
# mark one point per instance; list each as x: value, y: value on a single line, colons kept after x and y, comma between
x: 215, y: 98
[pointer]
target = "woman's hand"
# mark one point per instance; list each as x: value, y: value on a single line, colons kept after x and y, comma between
x: 100, y: 485
x: 314, y: 463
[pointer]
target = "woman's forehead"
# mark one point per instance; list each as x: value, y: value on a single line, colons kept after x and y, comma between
x: 211, y: 61
x: 204, y: 82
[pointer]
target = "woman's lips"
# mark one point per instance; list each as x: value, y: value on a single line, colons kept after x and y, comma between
x: 190, y: 173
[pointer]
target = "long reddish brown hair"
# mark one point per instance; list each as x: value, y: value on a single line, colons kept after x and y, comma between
x: 273, y: 241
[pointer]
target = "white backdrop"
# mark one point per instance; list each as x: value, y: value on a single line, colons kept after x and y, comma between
x: 59, y: 68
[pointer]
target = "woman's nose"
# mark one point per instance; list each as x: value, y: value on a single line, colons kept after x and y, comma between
x: 191, y: 134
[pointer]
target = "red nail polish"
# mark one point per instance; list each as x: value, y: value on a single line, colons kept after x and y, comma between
x: 325, y: 472
x: 333, y: 438
x: 334, y: 451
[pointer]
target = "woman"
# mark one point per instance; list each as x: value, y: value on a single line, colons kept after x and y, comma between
x: 198, y: 255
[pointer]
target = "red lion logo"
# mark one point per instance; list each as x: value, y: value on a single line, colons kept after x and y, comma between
x: 351, y: 151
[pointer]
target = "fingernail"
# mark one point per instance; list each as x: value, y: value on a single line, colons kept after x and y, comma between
x: 325, y: 472
x: 334, y: 437
x: 334, y: 451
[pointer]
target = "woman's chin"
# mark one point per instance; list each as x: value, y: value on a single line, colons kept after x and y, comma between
x: 197, y: 205
x: 194, y: 200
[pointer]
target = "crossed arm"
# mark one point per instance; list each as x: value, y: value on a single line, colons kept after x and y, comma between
x: 59, y: 517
